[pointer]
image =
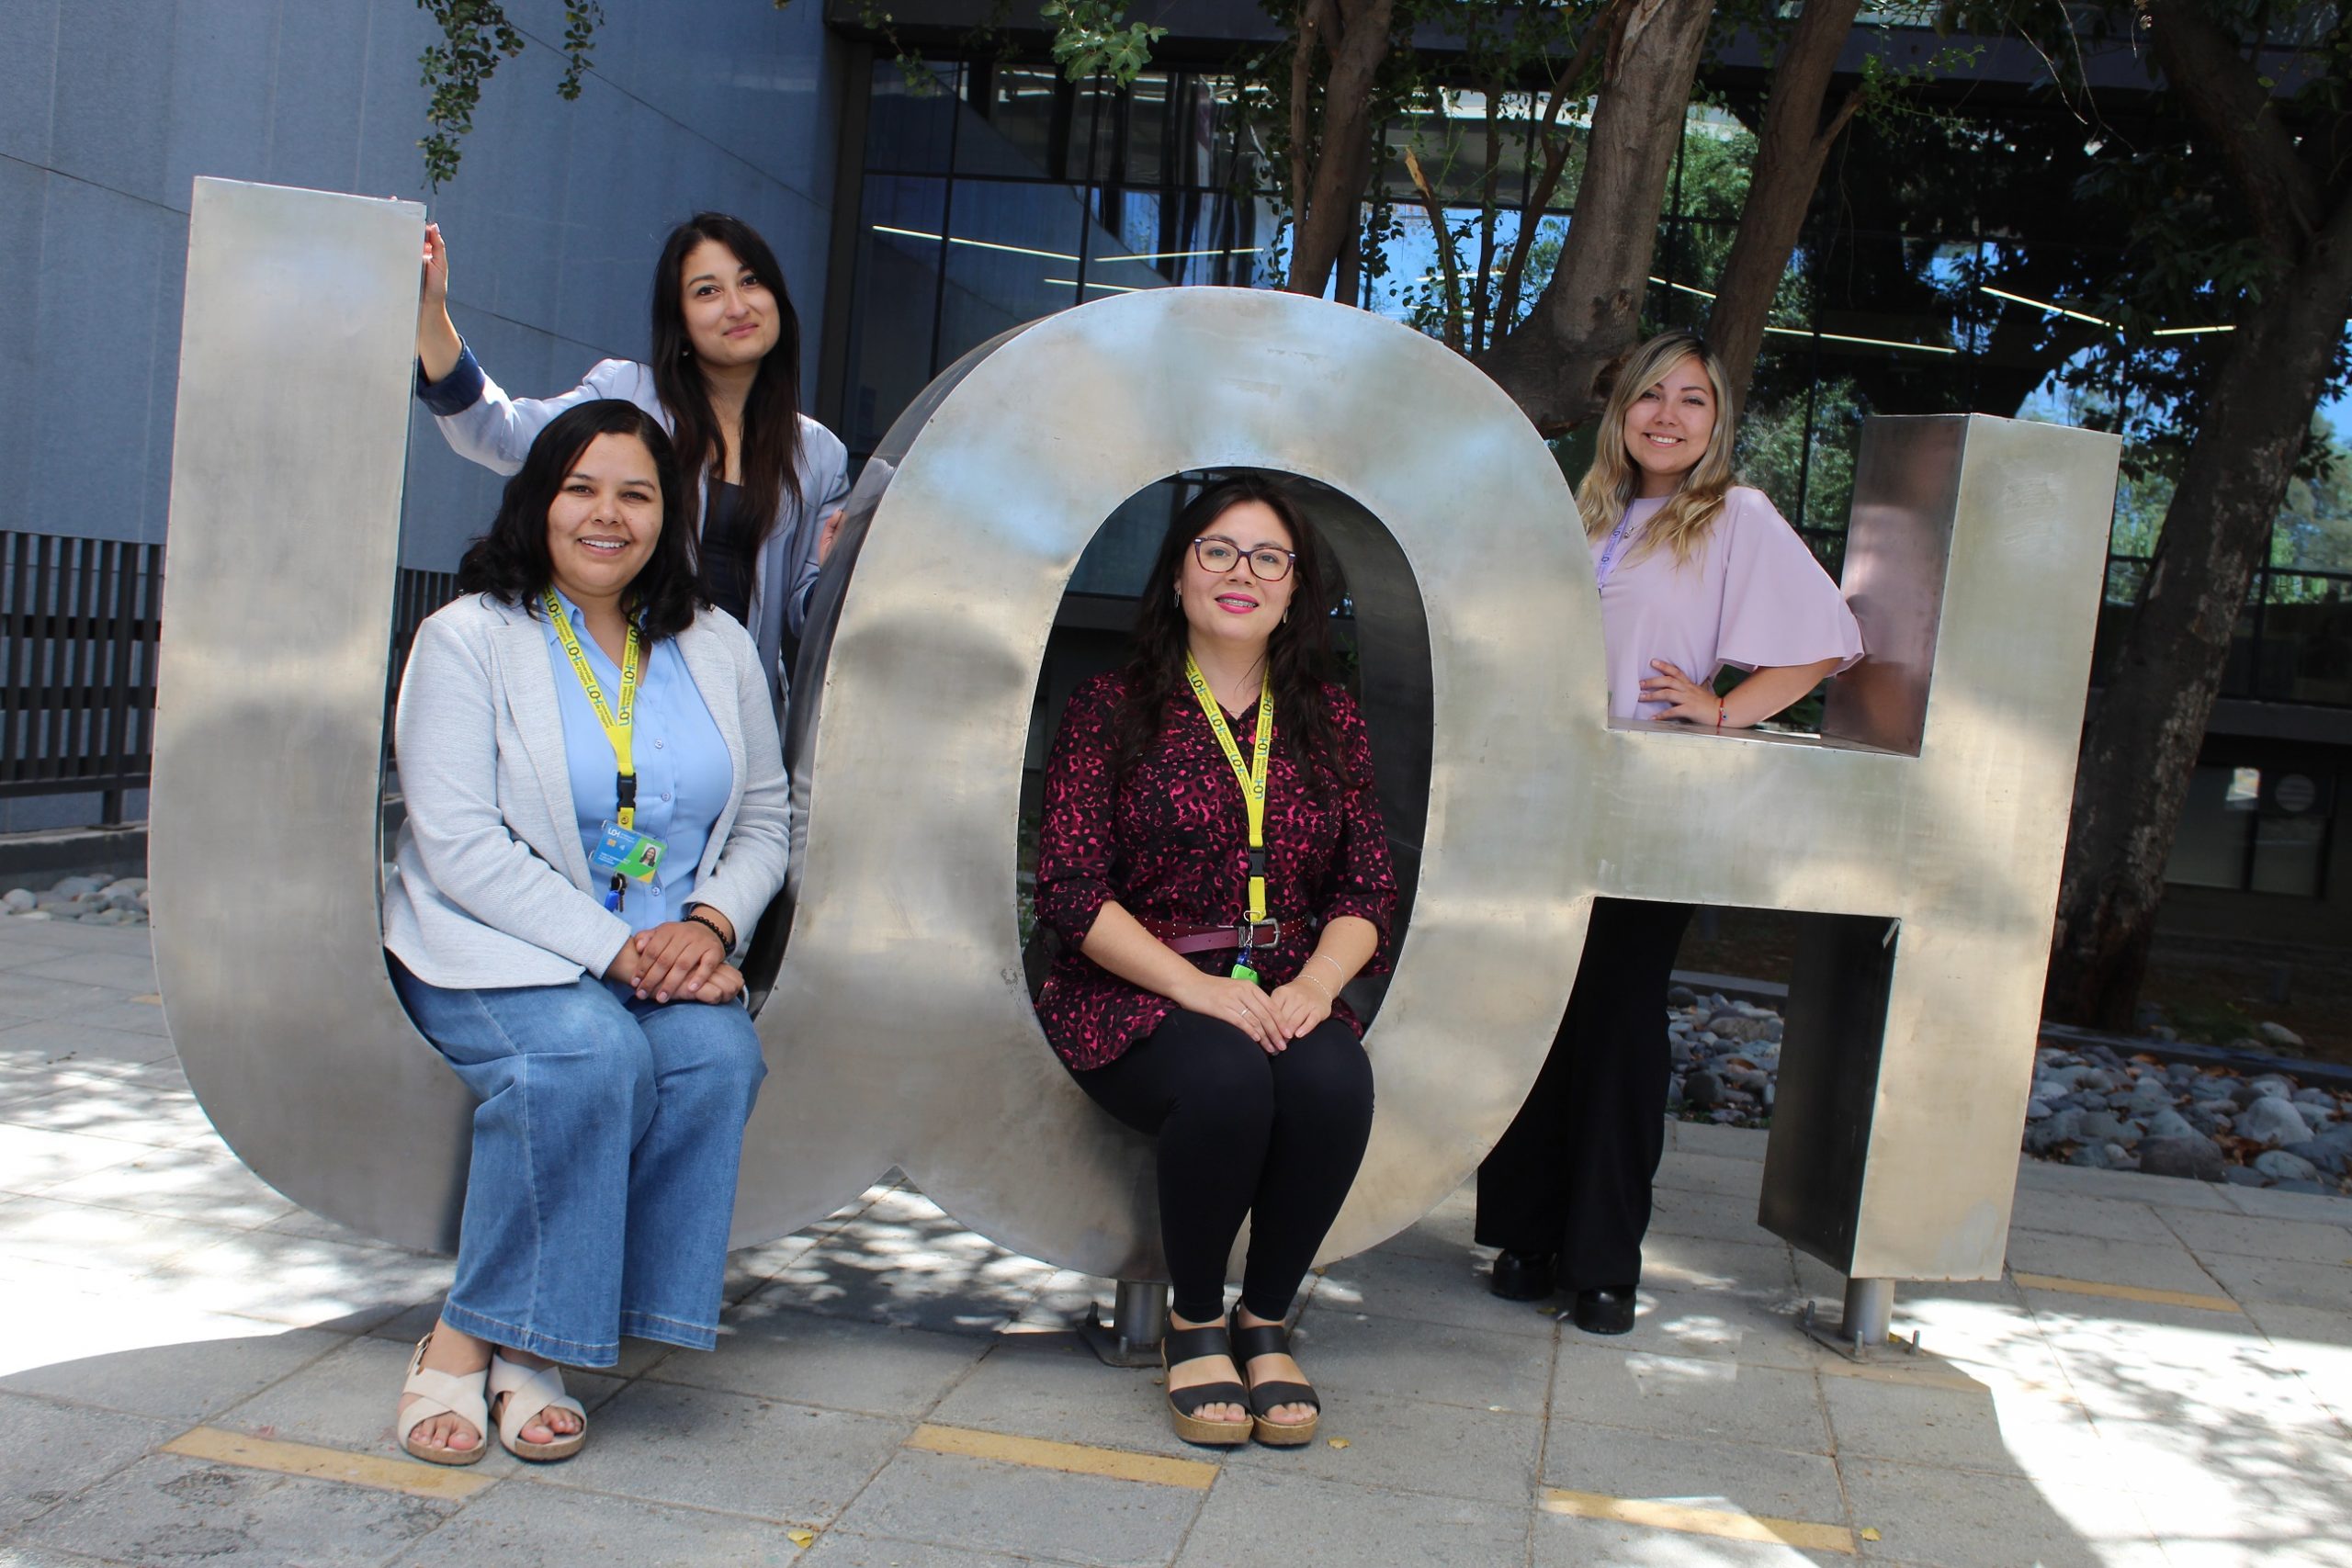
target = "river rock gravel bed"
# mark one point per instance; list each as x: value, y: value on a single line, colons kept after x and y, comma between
x: 2091, y: 1106
x: 90, y: 900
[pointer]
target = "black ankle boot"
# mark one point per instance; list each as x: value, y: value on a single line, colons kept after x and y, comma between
x: 1605, y: 1309
x: 1523, y: 1276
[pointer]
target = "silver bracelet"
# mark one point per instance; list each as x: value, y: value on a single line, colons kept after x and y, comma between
x: 1319, y: 985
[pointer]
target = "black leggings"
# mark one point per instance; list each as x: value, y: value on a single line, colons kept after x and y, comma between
x: 1276, y: 1139
x: 1572, y: 1175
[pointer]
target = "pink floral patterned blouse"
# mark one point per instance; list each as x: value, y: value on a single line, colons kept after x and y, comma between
x: 1173, y: 845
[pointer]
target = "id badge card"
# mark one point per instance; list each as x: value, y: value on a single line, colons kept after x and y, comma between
x: 624, y: 851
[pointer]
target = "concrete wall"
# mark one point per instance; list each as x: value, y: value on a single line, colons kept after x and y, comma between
x: 108, y: 109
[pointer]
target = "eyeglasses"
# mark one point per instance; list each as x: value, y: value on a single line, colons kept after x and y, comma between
x: 1267, y: 564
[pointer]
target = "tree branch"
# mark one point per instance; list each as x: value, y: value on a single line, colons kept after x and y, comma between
x: 1556, y: 162
x: 1487, y: 212
x: 1590, y: 310
x: 1344, y: 152
x: 1838, y: 123
x: 1790, y: 150
x: 1302, y: 84
x: 2224, y: 91
x: 1447, y: 269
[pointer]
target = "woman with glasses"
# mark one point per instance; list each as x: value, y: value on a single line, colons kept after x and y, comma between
x: 766, y: 482
x: 1696, y: 573
x: 1214, y: 863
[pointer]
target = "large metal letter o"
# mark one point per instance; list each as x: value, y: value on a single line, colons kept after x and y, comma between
x: 900, y: 1032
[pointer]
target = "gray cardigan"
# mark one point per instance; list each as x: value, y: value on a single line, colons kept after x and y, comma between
x: 490, y: 886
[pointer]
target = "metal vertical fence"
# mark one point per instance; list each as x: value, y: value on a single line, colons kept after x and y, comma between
x: 77, y: 665
x: 80, y: 626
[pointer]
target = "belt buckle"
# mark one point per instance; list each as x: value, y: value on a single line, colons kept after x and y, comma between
x: 1259, y: 933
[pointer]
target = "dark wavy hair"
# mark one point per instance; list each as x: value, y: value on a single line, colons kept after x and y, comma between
x: 511, y: 561
x: 771, y: 456
x: 1298, y: 655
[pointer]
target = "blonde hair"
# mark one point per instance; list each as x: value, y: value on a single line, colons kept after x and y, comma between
x: 1610, y: 485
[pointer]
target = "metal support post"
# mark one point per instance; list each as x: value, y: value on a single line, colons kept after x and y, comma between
x: 1866, y: 1331
x: 1138, y: 1321
x: 1870, y: 1312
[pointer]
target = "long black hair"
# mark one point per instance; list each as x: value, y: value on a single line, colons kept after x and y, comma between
x: 770, y: 455
x: 511, y: 561
x: 1298, y: 654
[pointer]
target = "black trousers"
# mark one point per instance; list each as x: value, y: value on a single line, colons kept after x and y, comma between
x: 1572, y: 1175
x: 1276, y: 1139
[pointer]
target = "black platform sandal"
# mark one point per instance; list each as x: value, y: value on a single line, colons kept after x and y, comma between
x: 1181, y: 1345
x: 1251, y: 1341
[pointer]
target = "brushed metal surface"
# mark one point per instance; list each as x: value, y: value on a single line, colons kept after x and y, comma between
x: 2007, y: 560
x: 296, y: 343
x: 898, y: 1029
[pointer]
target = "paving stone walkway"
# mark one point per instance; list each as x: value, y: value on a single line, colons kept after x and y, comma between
x: 194, y: 1369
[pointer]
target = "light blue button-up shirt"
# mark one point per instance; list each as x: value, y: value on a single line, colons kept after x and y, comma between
x: 684, y: 774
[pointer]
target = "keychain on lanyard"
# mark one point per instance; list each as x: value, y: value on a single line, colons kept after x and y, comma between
x: 1252, y: 779
x: 618, y: 727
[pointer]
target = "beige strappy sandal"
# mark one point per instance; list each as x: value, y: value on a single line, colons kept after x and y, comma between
x: 443, y: 1393
x: 526, y: 1392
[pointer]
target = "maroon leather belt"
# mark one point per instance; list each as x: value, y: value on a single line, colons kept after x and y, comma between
x: 1188, y: 936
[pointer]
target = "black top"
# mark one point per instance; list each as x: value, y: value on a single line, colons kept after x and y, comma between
x: 729, y: 550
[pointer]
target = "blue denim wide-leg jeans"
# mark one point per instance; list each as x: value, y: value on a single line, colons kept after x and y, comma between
x: 605, y: 1158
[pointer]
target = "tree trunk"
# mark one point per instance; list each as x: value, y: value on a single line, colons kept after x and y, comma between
x: 1590, y: 311
x: 1327, y: 197
x: 1557, y: 147
x: 2143, y: 737
x: 2143, y: 740
x: 1790, y: 152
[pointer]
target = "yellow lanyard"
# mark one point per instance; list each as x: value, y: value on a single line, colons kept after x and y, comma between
x: 616, y: 726
x: 1252, y: 778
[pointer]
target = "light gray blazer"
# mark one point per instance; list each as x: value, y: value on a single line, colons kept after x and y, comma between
x: 490, y: 886
x: 496, y: 431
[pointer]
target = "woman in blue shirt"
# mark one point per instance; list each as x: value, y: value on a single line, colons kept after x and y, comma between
x: 597, y: 812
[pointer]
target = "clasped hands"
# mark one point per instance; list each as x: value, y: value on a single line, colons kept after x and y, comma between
x: 1274, y: 1019
x: 685, y: 960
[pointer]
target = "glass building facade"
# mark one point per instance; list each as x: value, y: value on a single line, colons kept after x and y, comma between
x: 993, y: 193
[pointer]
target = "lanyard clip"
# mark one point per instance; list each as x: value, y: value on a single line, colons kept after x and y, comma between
x: 1257, y: 861
x: 625, y: 789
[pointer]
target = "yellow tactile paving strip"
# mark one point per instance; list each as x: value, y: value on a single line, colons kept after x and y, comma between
x: 2125, y: 1293
x: 1690, y: 1520
x: 452, y: 1482
x: 1077, y: 1459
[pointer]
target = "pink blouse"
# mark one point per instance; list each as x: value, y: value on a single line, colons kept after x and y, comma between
x: 1753, y: 596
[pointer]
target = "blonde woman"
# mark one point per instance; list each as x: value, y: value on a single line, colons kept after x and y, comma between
x: 1696, y: 572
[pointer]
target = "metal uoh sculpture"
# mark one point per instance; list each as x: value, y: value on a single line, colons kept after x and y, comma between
x: 1923, y: 832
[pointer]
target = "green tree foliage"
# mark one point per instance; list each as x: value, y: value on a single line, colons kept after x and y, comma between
x: 475, y: 36
x: 1093, y: 37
